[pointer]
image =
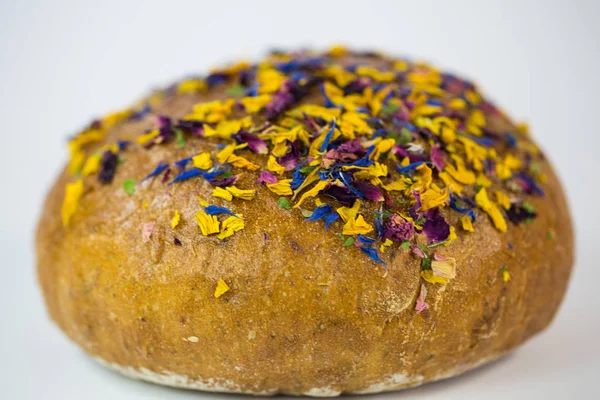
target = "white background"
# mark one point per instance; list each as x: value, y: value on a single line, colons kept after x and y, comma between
x: 65, y: 62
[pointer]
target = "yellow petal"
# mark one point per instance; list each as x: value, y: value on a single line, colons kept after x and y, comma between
x: 454, y: 186
x: 348, y: 213
x: 222, y: 193
x: 280, y: 149
x: 231, y: 225
x: 244, y: 194
x: 202, y: 161
x: 503, y: 199
x: 145, y: 138
x: 175, y: 220
x: 434, y: 197
x: 274, y: 166
x: 491, y: 209
x: 312, y: 192
x: 396, y: 186
x: 431, y: 278
x: 92, y: 165
x: 242, y: 162
x: 208, y: 224
x: 312, y: 110
x: 282, y: 187
x: 191, y: 86
x: 76, y: 162
x: 221, y: 288
x: 385, y: 245
x: 467, y: 224
x: 73, y: 192
x: 451, y: 237
x: 357, y: 226
x: 255, y: 104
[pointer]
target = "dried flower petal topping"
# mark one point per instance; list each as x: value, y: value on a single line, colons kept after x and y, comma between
x: 147, y: 230
x: 221, y: 288
x: 176, y: 219
x: 419, y: 150
x: 421, y: 306
x: 73, y: 192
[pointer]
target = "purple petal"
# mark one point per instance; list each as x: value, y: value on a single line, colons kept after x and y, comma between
x: 255, y: 144
x: 342, y: 194
x: 194, y: 127
x: 398, y: 229
x: 351, y: 146
x: 289, y: 93
x: 357, y: 85
x: 517, y: 213
x: 291, y: 159
x: 267, y: 177
x: 108, y: 167
x: 223, y: 182
x: 435, y: 228
x: 438, y: 157
x: 370, y: 191
x: 163, y: 121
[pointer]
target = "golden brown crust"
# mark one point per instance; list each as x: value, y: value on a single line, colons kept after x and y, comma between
x: 302, y: 312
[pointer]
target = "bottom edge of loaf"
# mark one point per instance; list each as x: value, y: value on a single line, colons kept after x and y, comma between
x: 390, y: 383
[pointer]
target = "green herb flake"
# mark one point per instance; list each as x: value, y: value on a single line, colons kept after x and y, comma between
x: 349, y: 241
x: 179, y: 138
x: 307, y: 170
x: 306, y: 213
x: 405, y: 245
x: 437, y: 244
x: 236, y: 91
x: 528, y: 207
x: 284, y: 203
x: 129, y: 186
x: 425, y: 263
x: 390, y: 109
x: 405, y: 136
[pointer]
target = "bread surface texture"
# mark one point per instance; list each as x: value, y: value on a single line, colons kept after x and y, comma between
x: 448, y: 239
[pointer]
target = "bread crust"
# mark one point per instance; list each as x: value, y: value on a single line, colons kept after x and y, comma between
x: 304, y: 315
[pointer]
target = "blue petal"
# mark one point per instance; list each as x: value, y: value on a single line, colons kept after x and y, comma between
x: 196, y: 172
x: 297, y: 178
x: 160, y: 168
x: 373, y: 254
x: 365, y: 240
x: 462, y: 210
x: 379, y: 228
x: 319, y: 212
x: 328, y: 102
x: 215, y: 210
x: 328, y: 137
x: 330, y: 218
x: 187, y: 175
x: 512, y: 141
x: 409, y: 167
x: 184, y: 162
x: 363, y: 162
x: 123, y: 144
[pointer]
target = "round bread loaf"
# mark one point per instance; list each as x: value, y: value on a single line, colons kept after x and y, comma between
x: 315, y: 224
